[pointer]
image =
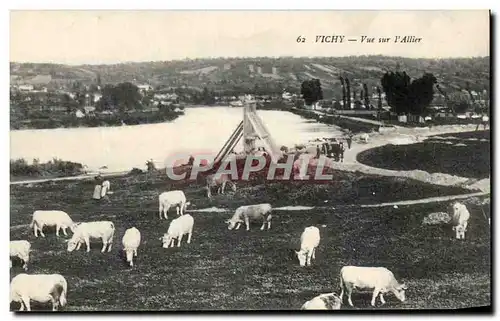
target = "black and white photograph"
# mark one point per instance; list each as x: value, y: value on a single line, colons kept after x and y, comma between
x: 231, y: 160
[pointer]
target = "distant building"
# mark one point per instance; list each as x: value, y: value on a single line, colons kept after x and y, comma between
x: 144, y: 88
x: 79, y: 114
x: 26, y: 87
x: 97, y: 97
x: 286, y: 95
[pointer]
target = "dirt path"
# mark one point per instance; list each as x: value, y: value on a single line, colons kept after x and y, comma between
x: 428, y: 200
x: 402, y: 135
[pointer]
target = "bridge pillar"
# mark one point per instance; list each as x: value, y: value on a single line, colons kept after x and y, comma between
x: 249, y: 133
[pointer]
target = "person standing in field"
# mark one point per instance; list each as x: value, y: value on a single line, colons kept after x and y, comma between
x: 349, y: 139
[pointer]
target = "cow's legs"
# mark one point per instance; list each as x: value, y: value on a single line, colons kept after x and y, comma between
x: 189, y: 236
x: 309, y: 254
x: 269, y: 222
x: 238, y: 225
x: 26, y: 301
x: 25, y: 261
x: 41, y: 230
x: 247, y: 223
x: 57, y: 230
x: 160, y: 209
x: 135, y: 252
x: 209, y: 192
x: 177, y: 210
x: 349, y: 293
x: 35, y: 230
x: 179, y: 240
x: 64, y: 231
x: 223, y: 187
x: 171, y: 243
x: 21, y: 308
x: 87, y: 243
x: 382, y: 298
x: 314, y: 253
x: 79, y: 245
x: 374, y: 296
x: 104, y: 245
x: 263, y: 225
x: 165, y: 211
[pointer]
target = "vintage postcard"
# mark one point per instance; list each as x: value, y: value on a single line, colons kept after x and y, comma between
x: 250, y: 160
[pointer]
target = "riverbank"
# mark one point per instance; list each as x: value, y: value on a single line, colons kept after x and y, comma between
x: 58, y: 120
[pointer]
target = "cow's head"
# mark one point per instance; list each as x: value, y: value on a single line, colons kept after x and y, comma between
x: 302, y: 256
x: 230, y: 224
x: 166, y: 239
x: 72, y: 243
x: 459, y: 232
x: 399, y: 292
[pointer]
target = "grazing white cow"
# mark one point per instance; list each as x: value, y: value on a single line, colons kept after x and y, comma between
x: 173, y: 198
x: 130, y: 241
x: 380, y: 279
x: 83, y: 232
x: 20, y: 249
x: 59, y: 219
x: 364, y: 137
x: 309, y: 240
x: 41, y: 288
x: 251, y: 212
x: 177, y: 229
x: 460, y: 219
x: 327, y: 301
x: 219, y: 181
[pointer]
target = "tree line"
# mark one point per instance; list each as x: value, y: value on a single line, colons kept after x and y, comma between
x: 402, y: 94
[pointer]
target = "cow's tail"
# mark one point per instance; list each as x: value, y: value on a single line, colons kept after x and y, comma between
x: 112, y: 231
x: 62, y: 297
x: 32, y: 222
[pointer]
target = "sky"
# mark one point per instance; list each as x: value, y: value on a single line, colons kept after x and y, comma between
x: 106, y: 37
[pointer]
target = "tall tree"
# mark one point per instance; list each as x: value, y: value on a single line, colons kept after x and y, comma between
x: 406, y: 96
x: 344, y: 101
x: 348, y: 92
x: 311, y: 91
x: 366, y: 96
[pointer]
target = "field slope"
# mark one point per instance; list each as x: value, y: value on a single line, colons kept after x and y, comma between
x: 255, y: 270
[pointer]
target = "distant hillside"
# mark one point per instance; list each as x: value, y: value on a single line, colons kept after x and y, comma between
x: 246, y: 74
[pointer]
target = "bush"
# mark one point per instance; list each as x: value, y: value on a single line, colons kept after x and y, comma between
x: 55, y: 167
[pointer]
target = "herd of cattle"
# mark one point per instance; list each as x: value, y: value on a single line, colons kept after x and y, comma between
x: 53, y: 287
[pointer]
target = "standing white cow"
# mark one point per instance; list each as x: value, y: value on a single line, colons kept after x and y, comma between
x: 327, y: 301
x: 380, y: 279
x: 219, y: 181
x: 39, y: 288
x: 177, y: 229
x: 104, y: 230
x: 20, y: 249
x: 173, y: 198
x: 309, y: 240
x: 247, y: 213
x: 364, y: 137
x: 460, y: 219
x: 59, y: 219
x: 130, y: 241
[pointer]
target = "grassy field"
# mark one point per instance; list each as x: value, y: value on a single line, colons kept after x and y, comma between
x: 457, y: 156
x: 256, y: 270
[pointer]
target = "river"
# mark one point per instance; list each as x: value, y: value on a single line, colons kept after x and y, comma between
x: 200, y: 130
